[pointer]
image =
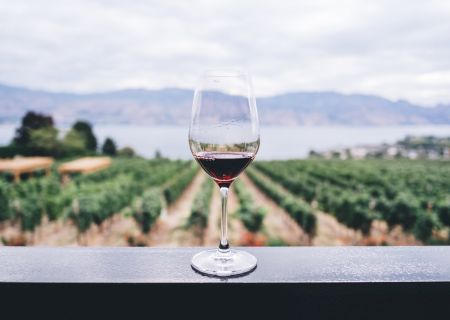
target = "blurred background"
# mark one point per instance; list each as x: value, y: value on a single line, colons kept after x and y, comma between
x: 353, y: 99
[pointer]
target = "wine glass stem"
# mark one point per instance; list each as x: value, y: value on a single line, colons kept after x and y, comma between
x: 223, y: 246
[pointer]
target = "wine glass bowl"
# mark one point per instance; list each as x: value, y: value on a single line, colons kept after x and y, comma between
x: 224, y: 139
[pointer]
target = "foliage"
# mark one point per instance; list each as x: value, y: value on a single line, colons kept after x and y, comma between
x: 38, y: 136
x: 109, y: 147
x: 353, y: 210
x: 31, y: 121
x: 176, y: 187
x: 147, y: 209
x: 89, y: 198
x: 44, y: 141
x: 413, y: 194
x: 54, y: 200
x: 74, y: 143
x: 29, y: 212
x: 27, y: 201
x: 443, y: 211
x: 198, y: 218
x: 403, y: 210
x: 5, y: 206
x: 126, y: 152
x: 425, y: 225
x: 299, y: 210
x: 85, y: 130
x: 11, y: 151
x: 251, y: 215
x: 426, y: 143
x: 107, y: 192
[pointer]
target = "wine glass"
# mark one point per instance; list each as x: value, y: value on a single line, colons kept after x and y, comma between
x: 224, y: 139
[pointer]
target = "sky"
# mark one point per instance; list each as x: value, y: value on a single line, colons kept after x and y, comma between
x: 395, y: 49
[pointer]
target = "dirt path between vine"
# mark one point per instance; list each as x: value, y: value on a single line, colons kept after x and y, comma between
x: 235, y: 227
x: 56, y: 233
x: 331, y: 232
x: 277, y: 223
x: 212, y: 232
x: 168, y: 231
x: 113, y: 232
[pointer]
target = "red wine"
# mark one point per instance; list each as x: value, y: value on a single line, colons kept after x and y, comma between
x: 224, y: 167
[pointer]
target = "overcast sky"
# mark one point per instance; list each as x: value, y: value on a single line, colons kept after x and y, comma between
x: 396, y: 49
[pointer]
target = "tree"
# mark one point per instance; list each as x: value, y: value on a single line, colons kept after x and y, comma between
x: 31, y: 121
x: 84, y: 128
x: 127, y: 152
x: 74, y: 142
x: 44, y: 141
x: 109, y: 147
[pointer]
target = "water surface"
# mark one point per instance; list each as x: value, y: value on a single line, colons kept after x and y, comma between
x: 276, y: 142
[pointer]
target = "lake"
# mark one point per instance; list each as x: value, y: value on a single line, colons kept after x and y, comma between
x: 276, y: 142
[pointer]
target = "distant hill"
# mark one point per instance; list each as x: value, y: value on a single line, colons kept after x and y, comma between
x: 173, y: 107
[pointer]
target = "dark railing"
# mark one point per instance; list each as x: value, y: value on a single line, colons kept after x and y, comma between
x: 294, y: 282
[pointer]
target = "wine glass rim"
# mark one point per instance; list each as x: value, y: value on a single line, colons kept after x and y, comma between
x: 224, y: 73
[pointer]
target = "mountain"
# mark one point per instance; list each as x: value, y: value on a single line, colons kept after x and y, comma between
x: 320, y: 108
x: 173, y: 106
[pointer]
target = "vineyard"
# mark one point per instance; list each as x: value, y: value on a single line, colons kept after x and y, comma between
x: 413, y: 195
x: 173, y: 203
x: 135, y: 186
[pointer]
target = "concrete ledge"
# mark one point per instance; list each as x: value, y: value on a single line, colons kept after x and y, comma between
x: 275, y: 265
x: 289, y: 282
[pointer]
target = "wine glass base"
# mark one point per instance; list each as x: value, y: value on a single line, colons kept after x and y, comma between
x: 223, y: 264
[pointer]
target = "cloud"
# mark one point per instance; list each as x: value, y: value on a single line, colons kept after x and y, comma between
x: 397, y: 49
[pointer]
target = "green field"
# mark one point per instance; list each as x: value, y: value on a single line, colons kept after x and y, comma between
x: 413, y: 195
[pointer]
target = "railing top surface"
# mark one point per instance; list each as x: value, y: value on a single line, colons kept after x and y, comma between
x: 275, y: 265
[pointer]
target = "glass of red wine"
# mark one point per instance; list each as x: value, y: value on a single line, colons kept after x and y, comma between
x: 224, y: 139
